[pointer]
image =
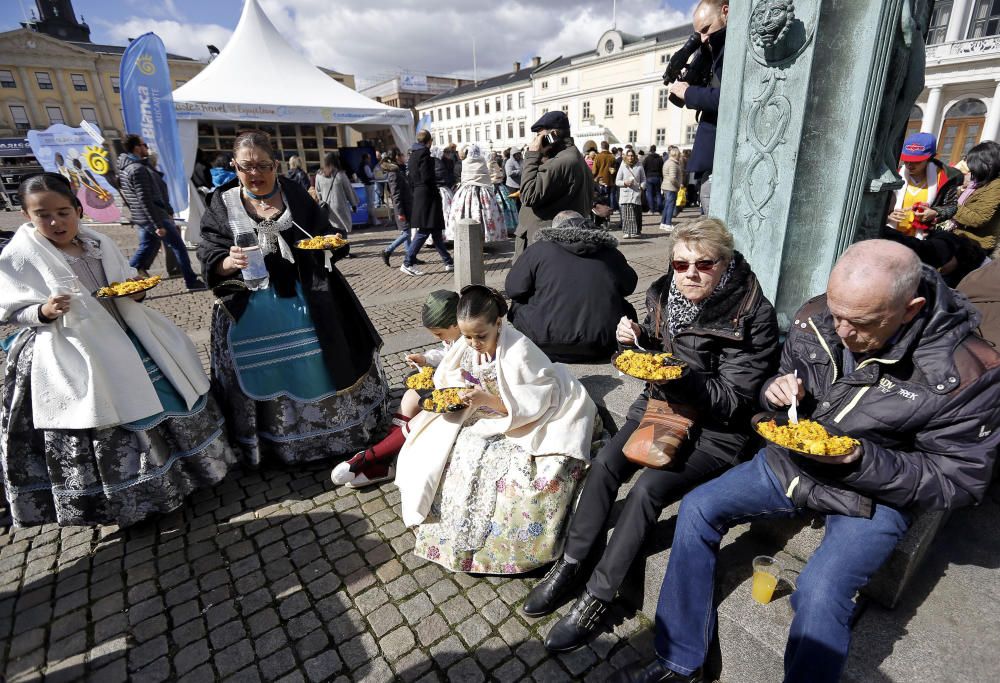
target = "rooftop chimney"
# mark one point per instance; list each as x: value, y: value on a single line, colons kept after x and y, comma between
x: 517, y: 66
x: 536, y: 62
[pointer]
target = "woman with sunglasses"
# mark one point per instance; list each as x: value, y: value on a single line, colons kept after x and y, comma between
x: 295, y: 359
x: 490, y: 486
x: 710, y: 312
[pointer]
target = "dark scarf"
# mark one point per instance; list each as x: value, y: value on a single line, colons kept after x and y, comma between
x: 681, y: 311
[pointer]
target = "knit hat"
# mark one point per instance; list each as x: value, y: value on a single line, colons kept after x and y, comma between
x: 440, y: 310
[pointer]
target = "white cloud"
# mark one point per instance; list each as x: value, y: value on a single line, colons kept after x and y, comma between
x: 383, y: 37
x: 189, y: 40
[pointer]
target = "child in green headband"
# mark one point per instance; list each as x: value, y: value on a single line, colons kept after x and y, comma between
x: 374, y: 465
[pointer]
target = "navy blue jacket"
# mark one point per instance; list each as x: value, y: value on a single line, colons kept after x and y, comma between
x: 706, y: 101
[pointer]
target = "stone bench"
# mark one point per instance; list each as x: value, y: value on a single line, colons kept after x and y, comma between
x: 751, y: 636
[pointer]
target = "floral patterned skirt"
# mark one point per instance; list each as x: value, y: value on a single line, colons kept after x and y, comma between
x: 117, y: 475
x: 499, y: 510
x: 479, y: 204
x: 293, y: 430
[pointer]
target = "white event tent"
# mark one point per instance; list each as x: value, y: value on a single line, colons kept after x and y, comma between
x: 259, y: 77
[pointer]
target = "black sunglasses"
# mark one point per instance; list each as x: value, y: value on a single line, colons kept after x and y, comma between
x: 702, y: 265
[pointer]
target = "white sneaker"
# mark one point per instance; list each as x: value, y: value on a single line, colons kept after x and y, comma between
x: 666, y: 228
x: 449, y: 268
x: 342, y: 474
x: 409, y: 270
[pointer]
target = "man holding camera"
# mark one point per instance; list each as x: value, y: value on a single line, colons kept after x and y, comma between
x: 554, y: 178
x: 710, y: 20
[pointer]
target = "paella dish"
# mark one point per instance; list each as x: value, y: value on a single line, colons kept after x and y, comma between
x: 322, y: 242
x: 652, y: 367
x: 128, y: 287
x: 444, y: 401
x: 806, y: 436
x: 424, y: 379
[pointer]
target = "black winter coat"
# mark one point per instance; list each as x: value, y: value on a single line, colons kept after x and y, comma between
x: 926, y: 410
x: 399, y: 191
x: 568, y: 293
x: 141, y: 192
x: 706, y: 101
x: 731, y: 348
x: 428, y: 216
x: 346, y: 335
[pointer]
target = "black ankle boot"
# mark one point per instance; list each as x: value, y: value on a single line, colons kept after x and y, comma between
x: 654, y: 672
x: 546, y: 596
x: 576, y: 628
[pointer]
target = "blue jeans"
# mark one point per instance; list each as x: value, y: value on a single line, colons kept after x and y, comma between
x: 149, y: 245
x: 613, y: 196
x: 852, y: 550
x: 418, y: 242
x: 404, y: 238
x: 669, y: 207
x: 653, y: 196
x: 379, y: 192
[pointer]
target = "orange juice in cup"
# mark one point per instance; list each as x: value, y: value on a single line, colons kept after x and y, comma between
x: 766, y: 571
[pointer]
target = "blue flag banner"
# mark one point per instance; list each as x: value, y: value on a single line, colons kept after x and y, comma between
x: 148, y: 107
x: 424, y: 123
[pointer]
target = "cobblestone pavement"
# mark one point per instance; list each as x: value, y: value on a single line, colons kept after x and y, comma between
x: 276, y: 575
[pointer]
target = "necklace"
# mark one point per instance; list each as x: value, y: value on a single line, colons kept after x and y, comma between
x: 260, y: 200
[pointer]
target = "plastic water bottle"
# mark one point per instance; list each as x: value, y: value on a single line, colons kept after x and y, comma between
x: 255, y: 274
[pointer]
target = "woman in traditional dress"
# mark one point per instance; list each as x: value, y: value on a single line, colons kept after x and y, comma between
x: 106, y: 416
x: 475, y: 199
x: 490, y: 488
x: 295, y: 359
x: 631, y: 181
x: 507, y: 206
x: 336, y: 195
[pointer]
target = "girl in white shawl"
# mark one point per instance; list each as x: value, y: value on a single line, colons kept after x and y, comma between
x: 490, y: 489
x: 475, y: 198
x: 106, y: 416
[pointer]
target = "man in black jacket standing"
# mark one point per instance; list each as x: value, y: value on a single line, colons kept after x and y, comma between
x: 151, y: 214
x: 652, y: 164
x: 710, y: 20
x: 427, y: 215
x: 889, y: 356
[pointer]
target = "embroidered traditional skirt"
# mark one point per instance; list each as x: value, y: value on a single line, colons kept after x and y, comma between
x: 446, y: 196
x: 479, y: 204
x: 116, y: 475
x: 276, y: 392
x: 631, y: 219
x: 507, y: 207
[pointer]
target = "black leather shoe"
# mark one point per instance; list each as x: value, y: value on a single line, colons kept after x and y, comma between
x: 548, y: 593
x: 654, y: 672
x: 385, y: 258
x: 576, y: 628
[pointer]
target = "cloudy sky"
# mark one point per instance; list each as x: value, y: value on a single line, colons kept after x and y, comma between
x: 382, y: 37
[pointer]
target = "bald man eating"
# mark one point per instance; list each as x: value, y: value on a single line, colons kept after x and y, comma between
x: 889, y: 356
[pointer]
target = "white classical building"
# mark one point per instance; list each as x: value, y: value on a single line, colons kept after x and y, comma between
x: 615, y: 92
x: 961, y: 99
x: 495, y: 112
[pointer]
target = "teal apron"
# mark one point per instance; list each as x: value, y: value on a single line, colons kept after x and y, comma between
x: 172, y: 402
x: 276, y: 351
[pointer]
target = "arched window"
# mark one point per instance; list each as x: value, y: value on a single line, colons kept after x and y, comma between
x: 916, y: 118
x: 963, y: 124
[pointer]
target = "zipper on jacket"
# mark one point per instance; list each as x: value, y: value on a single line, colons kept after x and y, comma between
x: 833, y: 361
x: 862, y: 391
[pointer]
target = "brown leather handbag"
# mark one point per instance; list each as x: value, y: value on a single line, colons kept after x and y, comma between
x: 662, y: 431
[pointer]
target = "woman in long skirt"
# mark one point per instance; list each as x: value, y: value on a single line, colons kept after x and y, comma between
x: 295, y: 359
x: 445, y: 175
x: 475, y: 199
x: 106, y: 415
x: 632, y: 181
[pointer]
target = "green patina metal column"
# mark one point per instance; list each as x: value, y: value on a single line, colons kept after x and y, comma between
x: 815, y: 99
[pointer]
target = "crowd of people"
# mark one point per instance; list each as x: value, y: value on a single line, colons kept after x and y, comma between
x: 107, y: 416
